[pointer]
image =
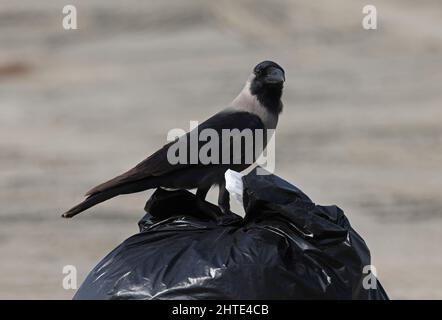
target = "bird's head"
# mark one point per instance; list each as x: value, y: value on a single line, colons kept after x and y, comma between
x: 266, y: 83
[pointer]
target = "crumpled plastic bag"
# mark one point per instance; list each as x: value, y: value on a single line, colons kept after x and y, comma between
x: 286, y: 247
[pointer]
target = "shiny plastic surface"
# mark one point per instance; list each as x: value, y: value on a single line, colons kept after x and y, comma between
x: 286, y: 247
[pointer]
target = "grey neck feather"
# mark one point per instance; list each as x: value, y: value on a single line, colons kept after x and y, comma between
x: 245, y: 101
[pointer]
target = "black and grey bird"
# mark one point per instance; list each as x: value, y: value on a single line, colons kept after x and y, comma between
x: 257, y: 106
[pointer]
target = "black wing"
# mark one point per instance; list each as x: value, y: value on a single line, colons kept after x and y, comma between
x: 158, y: 164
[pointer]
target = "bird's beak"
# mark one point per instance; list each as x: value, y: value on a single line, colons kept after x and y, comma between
x: 275, y: 76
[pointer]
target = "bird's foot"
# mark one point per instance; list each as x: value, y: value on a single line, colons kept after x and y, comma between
x: 225, y: 210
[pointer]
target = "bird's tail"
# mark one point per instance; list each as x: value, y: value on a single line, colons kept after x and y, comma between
x: 90, y: 202
x: 104, y: 195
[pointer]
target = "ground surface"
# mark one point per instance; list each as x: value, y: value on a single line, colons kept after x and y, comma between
x: 361, y: 126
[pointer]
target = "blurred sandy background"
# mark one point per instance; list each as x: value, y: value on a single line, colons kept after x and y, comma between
x: 361, y: 126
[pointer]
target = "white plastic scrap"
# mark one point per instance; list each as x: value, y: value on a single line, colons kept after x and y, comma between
x: 234, y: 184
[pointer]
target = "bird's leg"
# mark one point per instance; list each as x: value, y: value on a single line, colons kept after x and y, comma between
x: 201, y: 193
x: 224, y: 198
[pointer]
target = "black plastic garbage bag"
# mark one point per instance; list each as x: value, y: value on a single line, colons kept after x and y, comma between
x: 286, y: 247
